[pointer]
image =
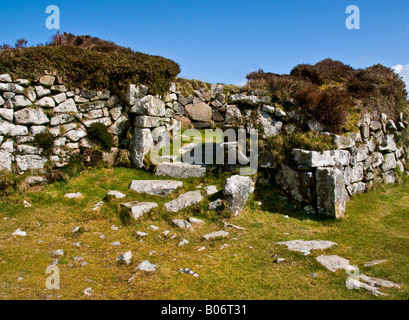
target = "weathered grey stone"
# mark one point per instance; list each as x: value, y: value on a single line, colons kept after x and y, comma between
x: 27, y: 162
x: 237, y: 191
x: 195, y: 221
x: 76, y: 135
x: 389, y: 162
x: 345, y: 141
x: 146, y: 266
x: 357, y: 172
x: 141, y: 144
x: 66, y: 107
x: 21, y: 101
x: 331, y: 192
x: 301, y: 185
x: 149, y: 106
x: 136, y: 209
x: 183, y: 201
x: 199, y: 112
x: 1, y: 100
x: 377, y: 159
x: 356, y: 188
x: 365, y: 130
x: 119, y: 126
x: 252, y: 101
x: 387, y: 144
x: 180, y: 170
x: 214, y: 205
x: 333, y: 263
x: 314, y: 125
x: 389, y: 177
x: 125, y: 257
x: 233, y: 115
x: 375, y: 125
x: 5, y: 78
x: 115, y: 112
x: 31, y: 116
x: 47, y: 81
x: 7, y: 114
x: 25, y: 149
x: 374, y: 262
x: 46, y: 102
x: 106, y: 121
x: 7, y: 128
x: 315, y: 159
x: 93, y: 114
x: 5, y: 160
x: 181, y: 223
x: 155, y: 187
x: 148, y: 122
x: 61, y: 119
x: 42, y: 92
x: 134, y: 93
x: 209, y: 190
x: 305, y: 247
x: 216, y: 234
x: 271, y: 127
x: 33, y: 181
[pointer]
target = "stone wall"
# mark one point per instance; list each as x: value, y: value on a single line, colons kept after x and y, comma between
x: 46, y: 104
x: 322, y: 181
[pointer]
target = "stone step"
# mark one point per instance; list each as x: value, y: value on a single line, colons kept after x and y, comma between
x: 180, y: 170
x: 136, y: 209
x: 155, y: 187
x: 183, y: 201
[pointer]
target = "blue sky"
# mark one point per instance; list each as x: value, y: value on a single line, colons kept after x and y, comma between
x: 222, y: 41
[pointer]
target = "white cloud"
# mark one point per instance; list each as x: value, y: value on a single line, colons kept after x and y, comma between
x: 403, y: 71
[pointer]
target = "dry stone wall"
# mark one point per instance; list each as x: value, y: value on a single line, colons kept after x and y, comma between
x: 137, y: 120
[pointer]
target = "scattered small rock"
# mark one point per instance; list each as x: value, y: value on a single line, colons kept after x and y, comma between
x: 229, y: 225
x: 224, y: 246
x: 26, y: 204
x: 141, y: 234
x: 183, y: 242
x: 98, y: 205
x: 153, y: 227
x: 73, y: 195
x: 114, y: 194
x: 195, y: 221
x: 215, y: 204
x: 77, y: 244
x: 18, y: 232
x: 115, y: 244
x: 216, y: 234
x: 114, y: 228
x: 181, y: 223
x: 146, y: 266
x: 88, y: 291
x: 201, y: 249
x: 125, y: 257
x: 76, y: 229
x: 210, y: 190
x: 189, y: 271
x: 101, y: 236
x: 59, y: 252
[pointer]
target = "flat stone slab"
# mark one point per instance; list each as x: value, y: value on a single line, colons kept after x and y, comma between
x: 181, y: 223
x: 376, y: 282
x: 180, y: 170
x: 183, y: 201
x: 305, y: 247
x: 374, y: 263
x: 195, y: 221
x: 333, y: 263
x: 114, y: 194
x: 216, y: 234
x: 210, y: 190
x: 155, y: 187
x: 136, y: 209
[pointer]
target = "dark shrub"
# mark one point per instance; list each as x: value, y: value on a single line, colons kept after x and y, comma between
x: 380, y: 89
x: 99, y: 132
x: 333, y: 70
x: 307, y: 72
x: 91, y: 63
x: 44, y: 140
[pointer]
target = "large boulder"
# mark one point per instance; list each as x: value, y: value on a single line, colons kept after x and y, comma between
x: 237, y: 191
x: 199, y: 112
x: 300, y: 184
x: 141, y: 144
x: 331, y: 192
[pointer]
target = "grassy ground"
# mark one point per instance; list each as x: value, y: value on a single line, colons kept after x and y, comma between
x: 376, y: 227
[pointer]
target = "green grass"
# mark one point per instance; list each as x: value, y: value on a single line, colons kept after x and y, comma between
x: 376, y: 227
